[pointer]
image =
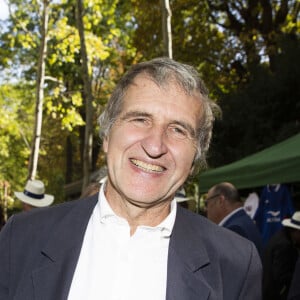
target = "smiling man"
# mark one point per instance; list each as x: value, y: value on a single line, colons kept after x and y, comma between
x: 145, y: 150
x: 131, y: 241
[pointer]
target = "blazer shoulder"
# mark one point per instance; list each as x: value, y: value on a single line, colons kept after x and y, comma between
x: 46, y: 218
x: 224, y: 258
x: 219, y: 242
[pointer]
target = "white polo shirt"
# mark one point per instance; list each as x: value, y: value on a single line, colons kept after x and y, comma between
x: 116, y: 266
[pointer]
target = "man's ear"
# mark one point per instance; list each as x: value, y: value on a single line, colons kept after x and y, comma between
x: 222, y: 200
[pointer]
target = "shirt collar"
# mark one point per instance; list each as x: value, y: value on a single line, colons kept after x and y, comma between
x: 104, y: 208
x: 229, y: 215
x: 106, y: 212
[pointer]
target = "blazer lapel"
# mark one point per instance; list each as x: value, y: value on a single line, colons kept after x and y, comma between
x: 186, y: 261
x: 52, y: 280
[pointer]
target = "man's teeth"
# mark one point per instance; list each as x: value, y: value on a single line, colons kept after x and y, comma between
x: 147, y: 167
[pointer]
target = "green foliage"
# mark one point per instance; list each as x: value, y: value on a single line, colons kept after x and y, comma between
x: 250, y: 66
x: 15, y: 132
x: 263, y: 112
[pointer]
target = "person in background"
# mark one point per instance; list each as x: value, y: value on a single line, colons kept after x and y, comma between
x: 279, y: 259
x: 225, y: 208
x: 34, y: 195
x: 131, y: 241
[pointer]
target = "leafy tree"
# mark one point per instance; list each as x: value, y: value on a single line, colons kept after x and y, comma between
x: 265, y: 108
x: 256, y: 27
x: 16, y: 127
x: 107, y: 30
x: 246, y: 51
x: 263, y: 112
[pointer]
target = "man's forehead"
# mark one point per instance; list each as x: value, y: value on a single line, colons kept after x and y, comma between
x: 168, y: 83
x: 171, y: 86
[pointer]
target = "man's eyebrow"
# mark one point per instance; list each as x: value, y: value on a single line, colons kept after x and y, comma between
x: 135, y: 113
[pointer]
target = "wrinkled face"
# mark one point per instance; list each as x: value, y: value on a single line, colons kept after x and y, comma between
x: 151, y: 146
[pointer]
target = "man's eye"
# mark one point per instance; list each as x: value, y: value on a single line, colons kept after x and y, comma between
x: 178, y: 132
x: 140, y: 121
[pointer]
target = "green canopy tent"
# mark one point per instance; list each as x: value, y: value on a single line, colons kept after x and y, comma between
x: 277, y: 164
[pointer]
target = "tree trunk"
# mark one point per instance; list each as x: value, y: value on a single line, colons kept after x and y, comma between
x: 167, y: 28
x: 69, y: 160
x: 88, y: 97
x: 33, y: 162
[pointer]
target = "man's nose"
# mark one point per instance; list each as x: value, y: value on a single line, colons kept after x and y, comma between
x: 155, y: 142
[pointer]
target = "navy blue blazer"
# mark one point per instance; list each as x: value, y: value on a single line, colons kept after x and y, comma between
x: 243, y: 225
x: 40, y: 249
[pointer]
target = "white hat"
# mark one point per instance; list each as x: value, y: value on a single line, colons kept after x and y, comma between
x: 180, y: 196
x: 294, y: 222
x: 34, y: 194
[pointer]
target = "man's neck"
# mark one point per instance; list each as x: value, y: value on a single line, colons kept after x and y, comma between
x: 136, y: 215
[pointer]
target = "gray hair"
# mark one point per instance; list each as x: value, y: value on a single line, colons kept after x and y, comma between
x: 163, y: 71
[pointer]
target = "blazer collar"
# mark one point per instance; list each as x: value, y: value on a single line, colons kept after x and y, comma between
x: 187, y: 258
x: 237, y: 213
x: 61, y: 253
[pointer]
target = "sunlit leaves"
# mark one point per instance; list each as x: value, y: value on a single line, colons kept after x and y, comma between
x: 15, y: 131
x: 65, y: 109
x: 96, y: 49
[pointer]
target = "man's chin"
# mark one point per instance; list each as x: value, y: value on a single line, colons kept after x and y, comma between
x: 148, y: 203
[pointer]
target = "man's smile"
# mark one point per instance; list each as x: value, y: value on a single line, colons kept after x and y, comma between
x: 146, y: 166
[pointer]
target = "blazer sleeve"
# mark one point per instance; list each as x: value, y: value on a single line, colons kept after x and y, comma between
x: 252, y: 287
x: 5, y: 247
